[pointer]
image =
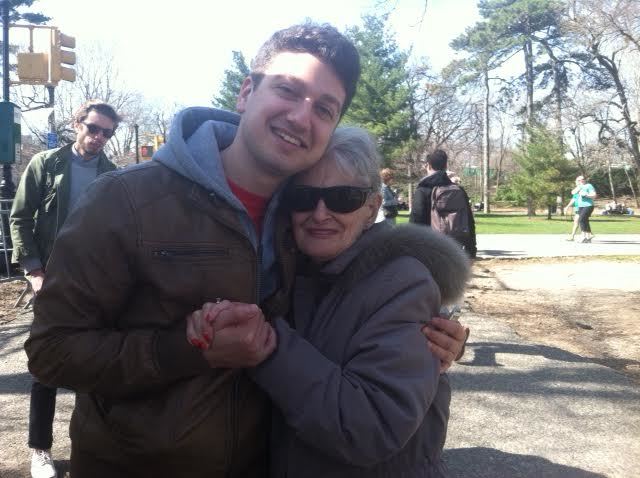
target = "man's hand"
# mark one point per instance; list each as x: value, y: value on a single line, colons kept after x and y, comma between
x: 231, y: 335
x: 446, y: 339
x: 36, y: 278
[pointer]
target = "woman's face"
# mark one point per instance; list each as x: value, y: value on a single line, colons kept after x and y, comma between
x: 322, y: 233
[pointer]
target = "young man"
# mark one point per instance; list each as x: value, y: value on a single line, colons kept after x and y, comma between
x: 422, y: 200
x: 48, y: 190
x: 198, y: 224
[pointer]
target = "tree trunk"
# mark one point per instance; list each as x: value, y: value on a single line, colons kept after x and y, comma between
x: 485, y: 144
x: 500, y: 159
x: 610, y: 65
x: 633, y: 191
x: 528, y: 60
x: 613, y: 191
x: 531, y: 210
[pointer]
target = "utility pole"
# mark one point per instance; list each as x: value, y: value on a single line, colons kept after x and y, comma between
x: 136, y: 127
x: 7, y: 188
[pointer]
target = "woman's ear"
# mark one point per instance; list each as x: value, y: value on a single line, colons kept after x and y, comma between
x: 374, y: 203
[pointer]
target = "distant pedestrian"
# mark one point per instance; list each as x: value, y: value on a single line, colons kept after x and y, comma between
x: 575, y: 197
x: 451, y: 208
x: 390, y: 202
x: 48, y: 190
x: 586, y: 195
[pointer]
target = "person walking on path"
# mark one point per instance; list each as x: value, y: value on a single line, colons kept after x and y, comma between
x: 586, y: 194
x: 575, y: 198
x: 421, y: 212
x: 48, y: 190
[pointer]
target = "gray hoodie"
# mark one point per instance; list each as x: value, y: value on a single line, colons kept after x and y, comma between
x: 196, y: 137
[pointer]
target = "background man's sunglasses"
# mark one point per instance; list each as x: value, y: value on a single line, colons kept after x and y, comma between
x: 340, y: 199
x: 95, y: 129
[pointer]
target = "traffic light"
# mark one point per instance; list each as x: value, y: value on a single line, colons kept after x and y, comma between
x: 146, y: 152
x: 158, y: 140
x: 33, y: 68
x: 59, y: 57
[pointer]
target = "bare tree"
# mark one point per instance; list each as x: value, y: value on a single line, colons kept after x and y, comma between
x: 609, y: 30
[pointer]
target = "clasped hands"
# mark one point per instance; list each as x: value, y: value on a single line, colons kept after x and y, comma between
x: 236, y: 335
x: 231, y: 334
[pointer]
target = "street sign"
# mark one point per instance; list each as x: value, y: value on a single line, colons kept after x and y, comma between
x: 52, y: 140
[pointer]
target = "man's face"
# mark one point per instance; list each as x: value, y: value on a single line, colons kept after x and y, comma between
x: 288, y: 119
x: 90, y: 143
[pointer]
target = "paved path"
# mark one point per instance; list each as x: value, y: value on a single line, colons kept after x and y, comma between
x: 525, y: 410
x: 555, y: 245
x: 519, y: 409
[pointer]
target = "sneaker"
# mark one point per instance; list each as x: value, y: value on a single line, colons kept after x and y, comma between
x: 42, y: 464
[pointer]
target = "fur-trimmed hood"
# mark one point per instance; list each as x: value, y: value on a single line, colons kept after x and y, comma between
x: 448, y: 264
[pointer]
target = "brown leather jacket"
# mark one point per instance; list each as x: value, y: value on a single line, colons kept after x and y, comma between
x: 149, y: 247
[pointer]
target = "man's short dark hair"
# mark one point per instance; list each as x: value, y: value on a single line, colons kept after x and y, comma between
x: 99, y: 107
x: 324, y: 42
x: 437, y: 160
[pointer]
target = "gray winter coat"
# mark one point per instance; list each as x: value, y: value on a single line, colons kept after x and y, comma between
x: 357, y: 391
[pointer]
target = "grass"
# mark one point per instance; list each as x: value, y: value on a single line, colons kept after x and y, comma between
x: 521, y: 224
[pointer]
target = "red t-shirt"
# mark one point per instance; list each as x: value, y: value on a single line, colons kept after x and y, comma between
x: 256, y: 205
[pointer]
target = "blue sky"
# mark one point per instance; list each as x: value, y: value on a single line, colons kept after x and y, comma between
x: 177, y: 52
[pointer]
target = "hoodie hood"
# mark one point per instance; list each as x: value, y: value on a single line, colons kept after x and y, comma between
x: 196, y: 137
x: 439, y: 178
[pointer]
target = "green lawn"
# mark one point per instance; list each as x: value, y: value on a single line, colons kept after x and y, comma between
x: 521, y: 224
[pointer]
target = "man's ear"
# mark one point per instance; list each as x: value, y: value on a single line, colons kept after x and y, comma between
x: 243, y: 96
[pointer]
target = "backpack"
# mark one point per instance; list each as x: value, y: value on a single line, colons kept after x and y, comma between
x: 450, y: 211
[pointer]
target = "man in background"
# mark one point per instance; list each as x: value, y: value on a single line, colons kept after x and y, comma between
x: 48, y: 190
x: 451, y: 212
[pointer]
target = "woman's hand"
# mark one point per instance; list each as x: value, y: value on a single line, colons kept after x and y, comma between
x: 231, y: 334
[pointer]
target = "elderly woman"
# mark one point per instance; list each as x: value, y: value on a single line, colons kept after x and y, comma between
x: 355, y: 390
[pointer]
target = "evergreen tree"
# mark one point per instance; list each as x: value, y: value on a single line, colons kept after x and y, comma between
x: 233, y: 78
x: 381, y: 104
x: 544, y: 172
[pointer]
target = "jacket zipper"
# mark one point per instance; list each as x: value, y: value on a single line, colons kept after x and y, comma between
x: 169, y: 253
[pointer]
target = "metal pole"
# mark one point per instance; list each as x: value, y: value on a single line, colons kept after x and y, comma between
x: 7, y: 188
x: 5, y: 50
x: 135, y: 126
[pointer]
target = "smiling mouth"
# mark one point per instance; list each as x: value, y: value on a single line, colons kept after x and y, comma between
x: 321, y: 232
x: 294, y: 140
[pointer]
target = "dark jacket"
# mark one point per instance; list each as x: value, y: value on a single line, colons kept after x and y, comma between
x: 41, y: 204
x: 357, y: 391
x: 152, y: 244
x: 421, y: 207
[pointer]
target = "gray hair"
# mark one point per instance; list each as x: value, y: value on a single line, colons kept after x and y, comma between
x: 354, y: 151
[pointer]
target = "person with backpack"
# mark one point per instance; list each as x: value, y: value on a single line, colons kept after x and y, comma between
x: 444, y: 205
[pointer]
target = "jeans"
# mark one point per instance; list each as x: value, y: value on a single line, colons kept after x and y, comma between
x: 41, y: 412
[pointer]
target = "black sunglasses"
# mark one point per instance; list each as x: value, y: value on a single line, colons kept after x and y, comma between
x: 95, y: 129
x: 340, y: 199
